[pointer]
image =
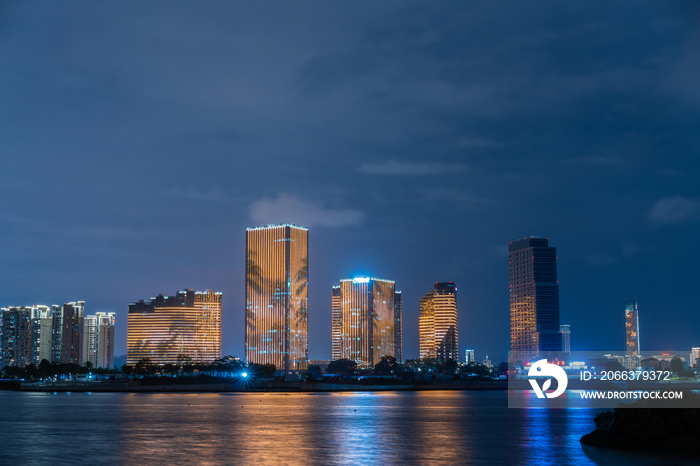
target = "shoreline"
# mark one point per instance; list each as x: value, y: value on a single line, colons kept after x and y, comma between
x: 290, y: 386
x: 263, y: 387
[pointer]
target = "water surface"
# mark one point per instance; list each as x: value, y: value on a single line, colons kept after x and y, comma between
x: 406, y: 428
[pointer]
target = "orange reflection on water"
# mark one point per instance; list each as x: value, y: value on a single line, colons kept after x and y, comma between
x: 313, y: 428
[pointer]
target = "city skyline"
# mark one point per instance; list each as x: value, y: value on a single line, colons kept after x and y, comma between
x: 538, y: 261
x: 30, y: 335
x: 398, y: 232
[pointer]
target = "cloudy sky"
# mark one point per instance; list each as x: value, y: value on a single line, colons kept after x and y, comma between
x: 414, y: 140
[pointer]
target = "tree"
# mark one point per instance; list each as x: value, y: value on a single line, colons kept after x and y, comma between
x: 144, y: 367
x: 342, y: 366
x: 171, y: 369
x: 603, y: 421
x: 386, y: 366
x: 183, y: 360
x: 14, y: 372
x: 314, y: 368
x: 44, y: 368
x: 448, y: 366
x: 263, y: 370
x: 430, y: 364
x: 677, y: 366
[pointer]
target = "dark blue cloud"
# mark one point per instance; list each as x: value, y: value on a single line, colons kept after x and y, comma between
x: 139, y: 140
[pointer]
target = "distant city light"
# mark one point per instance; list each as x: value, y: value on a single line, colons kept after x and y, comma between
x: 244, y: 374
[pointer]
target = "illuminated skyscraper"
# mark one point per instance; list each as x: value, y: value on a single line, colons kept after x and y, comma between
x: 168, y: 329
x: 398, y: 327
x: 632, y: 328
x: 469, y: 356
x: 98, y: 340
x: 565, y: 331
x: 534, y: 297
x: 366, y: 321
x: 276, y: 292
x: 337, y: 321
x: 437, y: 323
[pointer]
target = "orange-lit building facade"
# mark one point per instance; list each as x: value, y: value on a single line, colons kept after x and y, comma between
x: 337, y: 322
x: 632, y: 328
x: 437, y: 323
x: 168, y: 329
x: 365, y: 319
x: 276, y: 293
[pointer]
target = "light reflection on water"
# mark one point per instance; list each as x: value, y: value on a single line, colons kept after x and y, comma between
x: 470, y: 427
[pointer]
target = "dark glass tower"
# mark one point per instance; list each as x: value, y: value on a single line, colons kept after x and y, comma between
x: 534, y: 297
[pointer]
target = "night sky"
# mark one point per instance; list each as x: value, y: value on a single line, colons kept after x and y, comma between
x: 139, y: 140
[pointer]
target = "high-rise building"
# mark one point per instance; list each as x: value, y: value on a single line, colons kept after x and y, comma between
x: 16, y: 337
x: 336, y: 323
x: 105, y: 339
x: 437, y: 323
x: 172, y: 329
x: 42, y: 316
x: 565, y: 331
x: 534, y: 297
x: 694, y: 356
x: 98, y: 347
x: 366, y: 320
x: 487, y: 362
x: 72, y: 324
x: 398, y: 327
x: 90, y: 340
x: 276, y: 292
x: 56, y: 333
x: 632, y: 328
x: 469, y: 356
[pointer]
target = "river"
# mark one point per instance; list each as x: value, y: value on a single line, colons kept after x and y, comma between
x: 403, y: 428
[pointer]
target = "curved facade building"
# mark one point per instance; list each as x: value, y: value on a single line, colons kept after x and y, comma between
x: 168, y: 329
x: 437, y: 323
